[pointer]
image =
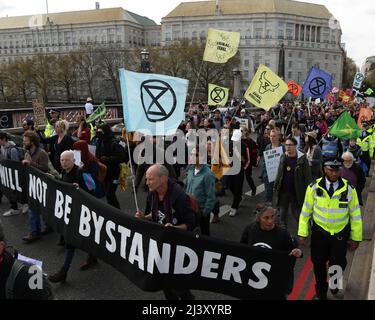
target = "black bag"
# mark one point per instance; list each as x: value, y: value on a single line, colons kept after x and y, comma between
x: 17, y: 267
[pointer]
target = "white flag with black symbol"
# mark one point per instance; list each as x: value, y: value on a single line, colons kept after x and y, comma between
x: 153, y: 104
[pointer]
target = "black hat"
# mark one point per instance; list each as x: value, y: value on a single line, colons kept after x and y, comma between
x: 332, y: 164
x: 29, y: 122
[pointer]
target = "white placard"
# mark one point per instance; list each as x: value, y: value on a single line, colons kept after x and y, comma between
x: 30, y: 260
x: 92, y: 149
x: 77, y: 157
x: 272, y: 161
x: 236, y: 135
x: 317, y: 101
x: 243, y: 122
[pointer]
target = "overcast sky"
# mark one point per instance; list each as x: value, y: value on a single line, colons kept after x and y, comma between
x: 356, y: 17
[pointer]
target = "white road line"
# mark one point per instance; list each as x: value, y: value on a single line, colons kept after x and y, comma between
x: 260, y: 189
x: 224, y: 209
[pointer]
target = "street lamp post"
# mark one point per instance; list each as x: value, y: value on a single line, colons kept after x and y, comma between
x: 145, y: 62
x: 281, y: 67
x: 236, y: 83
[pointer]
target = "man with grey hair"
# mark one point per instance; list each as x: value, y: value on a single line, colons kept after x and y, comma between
x: 168, y: 205
x: 352, y: 172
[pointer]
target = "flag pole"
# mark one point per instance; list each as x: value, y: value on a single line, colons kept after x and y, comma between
x: 196, y: 84
x: 132, y: 172
x: 290, y: 119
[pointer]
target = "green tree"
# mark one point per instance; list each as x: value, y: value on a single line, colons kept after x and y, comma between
x: 65, y: 75
x: 111, y: 60
x: 19, y: 79
x: 42, y: 74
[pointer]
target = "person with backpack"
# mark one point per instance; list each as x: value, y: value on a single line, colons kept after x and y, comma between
x: 200, y: 184
x: 167, y: 204
x: 111, y: 154
x: 15, y: 277
x: 10, y: 151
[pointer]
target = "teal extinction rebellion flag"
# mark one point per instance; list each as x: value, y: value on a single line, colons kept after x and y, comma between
x: 153, y: 104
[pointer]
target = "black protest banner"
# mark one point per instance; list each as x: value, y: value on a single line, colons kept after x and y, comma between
x: 151, y: 256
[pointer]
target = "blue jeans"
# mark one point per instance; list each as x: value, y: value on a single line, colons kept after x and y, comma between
x: 35, y: 222
x: 269, y: 191
x: 69, y: 254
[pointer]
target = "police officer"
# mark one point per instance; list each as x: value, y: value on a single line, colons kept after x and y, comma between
x: 336, y: 219
x: 367, y: 145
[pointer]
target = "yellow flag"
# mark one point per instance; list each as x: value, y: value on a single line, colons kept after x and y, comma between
x: 221, y: 158
x: 217, y: 96
x: 266, y: 89
x: 221, y: 45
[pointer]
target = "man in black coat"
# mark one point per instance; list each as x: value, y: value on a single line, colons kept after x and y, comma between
x: 111, y: 154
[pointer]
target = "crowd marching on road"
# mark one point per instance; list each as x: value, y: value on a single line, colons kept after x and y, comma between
x: 317, y: 186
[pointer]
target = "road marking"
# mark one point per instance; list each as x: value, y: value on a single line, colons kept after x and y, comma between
x: 223, y: 211
x: 298, y: 286
x: 311, y: 292
x: 260, y: 189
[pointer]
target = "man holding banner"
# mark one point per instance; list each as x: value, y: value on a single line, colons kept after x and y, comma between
x: 168, y: 205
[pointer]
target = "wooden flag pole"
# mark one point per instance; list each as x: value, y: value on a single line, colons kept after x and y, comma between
x: 290, y: 119
x: 196, y: 84
x: 132, y: 172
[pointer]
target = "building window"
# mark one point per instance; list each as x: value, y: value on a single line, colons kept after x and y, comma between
x: 318, y: 30
x: 296, y: 32
x: 290, y: 64
x: 327, y: 57
x: 281, y: 34
x: 258, y: 33
x: 313, y: 34
x: 302, y: 35
x: 299, y: 77
x: 246, y: 63
x: 289, y: 34
x: 307, y: 33
x: 290, y: 75
x: 247, y: 74
x: 290, y: 54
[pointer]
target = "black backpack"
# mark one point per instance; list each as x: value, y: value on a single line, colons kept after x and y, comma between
x: 21, y: 152
x: 18, y: 265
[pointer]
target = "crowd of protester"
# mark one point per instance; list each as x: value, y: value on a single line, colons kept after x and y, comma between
x: 193, y: 188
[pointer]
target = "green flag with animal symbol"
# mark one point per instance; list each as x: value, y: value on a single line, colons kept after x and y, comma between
x: 345, y: 127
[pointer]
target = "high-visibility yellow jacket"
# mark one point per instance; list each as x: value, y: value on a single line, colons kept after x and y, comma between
x: 371, y: 132
x: 92, y: 131
x: 331, y: 214
x: 366, y: 144
x: 48, y: 131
